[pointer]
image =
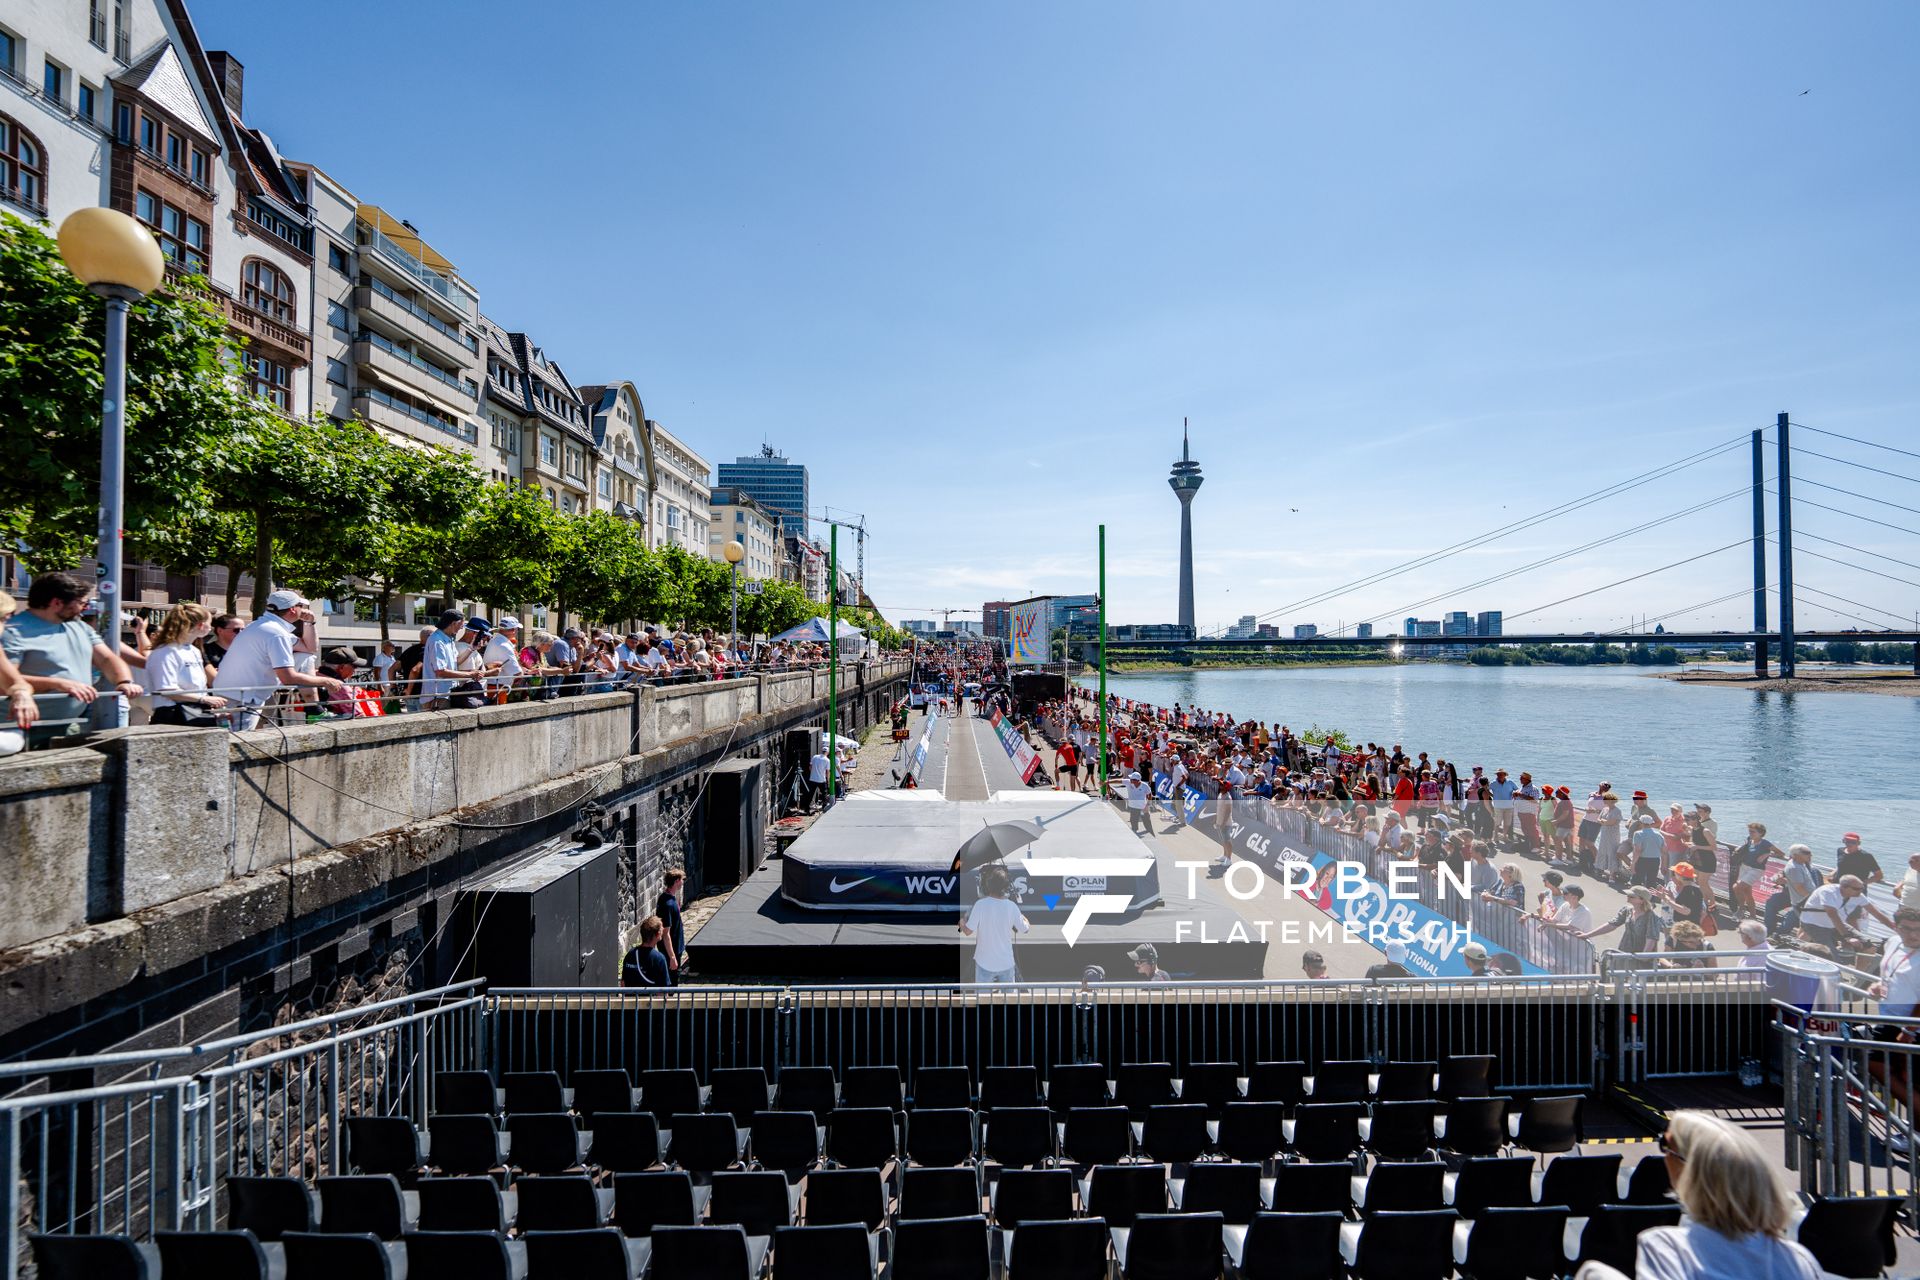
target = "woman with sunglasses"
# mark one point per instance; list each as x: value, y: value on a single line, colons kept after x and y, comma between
x: 1737, y: 1211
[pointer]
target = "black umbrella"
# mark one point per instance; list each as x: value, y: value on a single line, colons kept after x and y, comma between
x: 994, y: 842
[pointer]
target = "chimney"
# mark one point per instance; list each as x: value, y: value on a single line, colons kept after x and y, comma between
x: 232, y: 77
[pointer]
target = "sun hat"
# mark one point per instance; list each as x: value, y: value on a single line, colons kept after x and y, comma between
x: 282, y: 600
x: 1474, y: 951
x: 1684, y: 870
x: 1396, y: 952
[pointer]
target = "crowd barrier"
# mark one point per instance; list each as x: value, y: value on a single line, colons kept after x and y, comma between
x: 1847, y: 1081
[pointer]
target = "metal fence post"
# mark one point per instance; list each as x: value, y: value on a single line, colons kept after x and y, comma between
x: 333, y: 1137
x: 785, y: 1015
x: 10, y: 1188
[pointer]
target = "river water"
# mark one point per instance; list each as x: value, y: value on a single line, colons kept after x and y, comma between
x: 1809, y: 765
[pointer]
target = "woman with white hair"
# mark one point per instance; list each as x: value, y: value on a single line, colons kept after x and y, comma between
x: 1753, y: 936
x: 1737, y: 1211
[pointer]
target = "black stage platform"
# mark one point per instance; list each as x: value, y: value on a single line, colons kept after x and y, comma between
x: 759, y: 933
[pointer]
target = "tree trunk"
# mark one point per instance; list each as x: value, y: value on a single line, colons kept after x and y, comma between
x: 386, y: 605
x: 262, y: 562
x: 233, y: 589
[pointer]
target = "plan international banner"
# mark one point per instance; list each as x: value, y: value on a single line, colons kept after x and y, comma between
x: 1023, y: 756
x: 1028, y: 629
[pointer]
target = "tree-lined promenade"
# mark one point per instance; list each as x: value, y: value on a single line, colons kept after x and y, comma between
x: 216, y: 476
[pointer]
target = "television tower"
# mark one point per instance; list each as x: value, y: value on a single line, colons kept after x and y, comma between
x: 1186, y: 481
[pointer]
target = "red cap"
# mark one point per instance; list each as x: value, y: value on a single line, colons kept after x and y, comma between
x: 1852, y: 837
x: 1639, y: 795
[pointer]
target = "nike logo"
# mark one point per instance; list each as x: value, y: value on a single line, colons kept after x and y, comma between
x: 837, y: 887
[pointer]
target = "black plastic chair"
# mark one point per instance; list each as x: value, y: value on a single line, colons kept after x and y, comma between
x: 741, y: 1092
x: 938, y: 1193
x: 1230, y: 1190
x: 1122, y: 1192
x: 862, y: 1137
x: 823, y: 1253
x: 1175, y: 1133
x: 1282, y: 1082
x: 366, y: 1203
x: 229, y: 1255
x: 62, y: 1257
x: 1076, y: 1084
x: 384, y: 1144
x: 1287, y: 1246
x: 1612, y: 1233
x: 1058, y: 1249
x: 761, y: 1203
x: 1582, y: 1183
x: 1009, y: 1087
x: 1138, y: 1086
x: 625, y: 1141
x: 1405, y: 1082
x: 271, y: 1207
x: 837, y: 1196
x: 1649, y: 1183
x: 1851, y: 1236
x: 313, y: 1255
x: 1467, y: 1075
x: 563, y: 1202
x: 669, y: 1092
x: 465, y: 1093
x: 465, y: 1204
x: 1095, y: 1135
x: 1211, y: 1084
x: 1400, y: 1187
x: 1253, y: 1132
x: 1490, y: 1182
x: 601, y: 1254
x: 1514, y: 1244
x: 706, y: 1144
x: 1548, y: 1125
x: 1032, y: 1195
x: 786, y: 1141
x: 532, y: 1091
x: 1302, y: 1186
x: 942, y: 1088
x: 940, y: 1249
x: 604, y: 1091
x: 666, y: 1198
x: 470, y: 1255
x: 1018, y: 1137
x: 466, y: 1143
x: 547, y: 1142
x: 1473, y: 1126
x: 707, y: 1254
x: 872, y: 1087
x: 1171, y: 1246
x: 1401, y: 1246
x: 1322, y: 1130
x: 808, y: 1089
x: 1398, y: 1130
x: 1342, y: 1080
x: 940, y: 1136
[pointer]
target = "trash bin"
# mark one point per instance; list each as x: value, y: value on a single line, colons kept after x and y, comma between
x: 1804, y: 981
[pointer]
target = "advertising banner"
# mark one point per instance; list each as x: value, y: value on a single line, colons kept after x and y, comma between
x: 1028, y: 630
x: 1023, y: 756
x: 1192, y: 801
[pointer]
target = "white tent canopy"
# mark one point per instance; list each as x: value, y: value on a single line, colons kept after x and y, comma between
x: 814, y: 631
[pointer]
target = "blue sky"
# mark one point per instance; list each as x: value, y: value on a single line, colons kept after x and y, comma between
x: 1414, y: 270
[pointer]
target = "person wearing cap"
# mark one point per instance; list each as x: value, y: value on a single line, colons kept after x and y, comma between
x: 1852, y: 860
x: 1138, y: 796
x: 1688, y: 898
x: 1476, y: 956
x: 1395, y: 965
x: 343, y: 664
x: 1794, y: 883
x: 1313, y: 964
x: 565, y: 655
x: 1649, y: 849
x: 1832, y: 913
x: 440, y: 667
x: 1573, y: 914
x: 503, y: 655
x: 1526, y: 811
x: 260, y: 661
x: 1639, y: 926
x: 992, y: 922
x: 1146, y: 964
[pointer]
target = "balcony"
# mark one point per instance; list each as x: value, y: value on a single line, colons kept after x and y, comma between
x: 414, y: 273
x: 410, y: 371
x: 266, y: 330
x: 397, y: 415
x: 377, y: 299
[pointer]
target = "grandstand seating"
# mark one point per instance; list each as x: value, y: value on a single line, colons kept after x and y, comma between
x: 1349, y: 1169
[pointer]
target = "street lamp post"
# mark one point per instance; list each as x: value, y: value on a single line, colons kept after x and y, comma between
x: 734, y: 553
x: 118, y: 259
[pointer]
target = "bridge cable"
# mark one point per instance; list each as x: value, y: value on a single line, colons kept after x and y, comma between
x: 1862, y: 496
x: 1802, y: 551
x: 1574, y: 504
x: 1878, y: 555
x: 1674, y: 613
x: 1858, y: 604
x: 1854, y: 439
x: 1740, y: 542
x: 1811, y: 604
x: 1899, y: 528
x: 1848, y: 462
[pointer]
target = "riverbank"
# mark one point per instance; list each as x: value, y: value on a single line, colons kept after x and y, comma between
x: 1264, y: 664
x: 1897, y: 684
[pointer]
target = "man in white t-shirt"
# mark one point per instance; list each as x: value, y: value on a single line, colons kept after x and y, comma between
x: 1833, y: 911
x: 817, y: 769
x: 1502, y: 789
x: 261, y: 659
x: 503, y: 652
x: 1573, y: 913
x: 1138, y: 794
x: 991, y: 923
x: 1175, y: 799
x: 383, y: 662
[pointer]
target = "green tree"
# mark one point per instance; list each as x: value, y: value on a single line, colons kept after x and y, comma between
x: 505, y: 550
x: 1843, y: 651
x: 777, y: 606
x: 599, y: 563
x: 182, y: 397
x: 425, y: 497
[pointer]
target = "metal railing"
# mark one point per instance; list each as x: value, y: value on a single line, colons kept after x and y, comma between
x: 1848, y: 1078
x: 419, y: 312
x: 416, y: 269
x: 464, y: 385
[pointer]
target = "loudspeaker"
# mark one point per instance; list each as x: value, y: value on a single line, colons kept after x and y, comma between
x: 736, y: 821
x: 551, y: 921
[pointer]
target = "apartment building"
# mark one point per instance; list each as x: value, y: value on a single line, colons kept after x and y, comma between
x: 683, y: 486
x: 622, y: 459
x: 561, y: 441
x: 738, y: 518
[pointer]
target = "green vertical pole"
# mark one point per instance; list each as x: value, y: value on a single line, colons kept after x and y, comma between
x: 1103, y: 660
x: 833, y: 662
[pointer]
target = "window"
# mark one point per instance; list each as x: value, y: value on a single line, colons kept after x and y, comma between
x: 149, y: 134
x: 23, y: 168
x: 336, y: 373
x: 176, y: 151
x: 7, y: 44
x: 53, y: 82
x: 198, y: 172
x: 267, y: 379
x: 147, y: 209
x: 123, y: 122
x: 122, y: 32
x: 266, y: 289
x: 549, y: 450
x: 89, y: 102
x: 338, y: 318
x: 337, y: 259
x: 566, y: 504
x: 97, y: 23
x: 182, y: 239
x: 606, y: 484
